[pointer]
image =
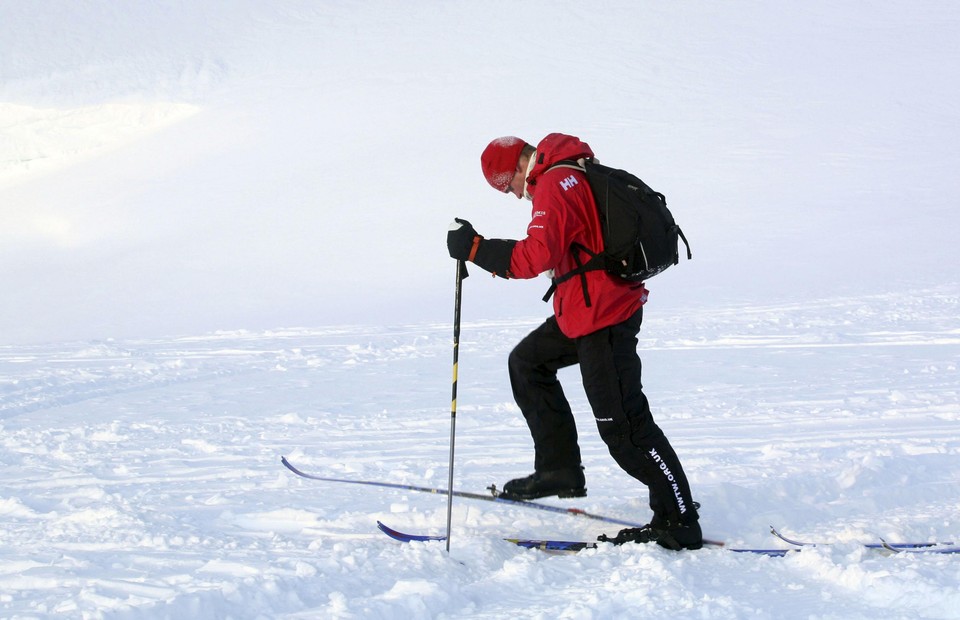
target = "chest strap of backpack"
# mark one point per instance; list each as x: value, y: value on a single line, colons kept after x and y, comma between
x: 595, y: 262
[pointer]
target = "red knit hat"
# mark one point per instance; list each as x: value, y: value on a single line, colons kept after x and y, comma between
x: 499, y: 161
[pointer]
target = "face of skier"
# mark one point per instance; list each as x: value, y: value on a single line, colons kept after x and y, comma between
x: 519, y: 177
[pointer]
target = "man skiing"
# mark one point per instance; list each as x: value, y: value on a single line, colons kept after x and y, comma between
x: 596, y: 320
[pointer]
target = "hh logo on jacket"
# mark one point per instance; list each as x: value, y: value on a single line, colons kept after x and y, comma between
x: 568, y: 182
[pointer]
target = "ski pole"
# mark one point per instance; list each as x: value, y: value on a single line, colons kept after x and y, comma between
x: 461, y: 274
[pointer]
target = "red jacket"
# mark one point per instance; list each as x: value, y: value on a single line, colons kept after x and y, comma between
x: 564, y: 213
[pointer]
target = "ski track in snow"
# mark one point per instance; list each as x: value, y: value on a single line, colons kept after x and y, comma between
x: 141, y: 478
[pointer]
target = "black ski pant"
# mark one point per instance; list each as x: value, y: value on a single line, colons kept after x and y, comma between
x: 610, y: 368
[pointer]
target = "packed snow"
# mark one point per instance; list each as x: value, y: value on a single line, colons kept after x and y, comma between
x: 223, y: 242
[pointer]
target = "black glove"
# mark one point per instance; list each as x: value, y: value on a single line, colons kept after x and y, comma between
x: 461, y: 238
x: 493, y: 255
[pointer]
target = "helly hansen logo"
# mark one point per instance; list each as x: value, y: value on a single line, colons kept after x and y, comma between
x: 568, y: 182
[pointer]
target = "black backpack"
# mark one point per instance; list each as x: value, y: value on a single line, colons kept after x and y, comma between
x: 640, y: 237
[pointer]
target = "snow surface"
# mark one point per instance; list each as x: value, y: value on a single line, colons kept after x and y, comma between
x: 222, y: 242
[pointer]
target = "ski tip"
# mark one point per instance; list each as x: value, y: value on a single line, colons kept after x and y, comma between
x: 402, y: 537
x: 288, y: 465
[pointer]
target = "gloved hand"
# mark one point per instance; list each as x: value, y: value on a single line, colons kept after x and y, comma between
x: 493, y: 255
x: 461, y: 239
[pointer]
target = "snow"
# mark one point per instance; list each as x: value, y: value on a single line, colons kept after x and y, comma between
x: 222, y: 242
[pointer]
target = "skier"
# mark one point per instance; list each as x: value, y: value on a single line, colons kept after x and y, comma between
x: 595, y: 324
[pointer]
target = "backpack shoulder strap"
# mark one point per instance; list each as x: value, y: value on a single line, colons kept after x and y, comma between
x: 595, y: 261
x: 576, y: 164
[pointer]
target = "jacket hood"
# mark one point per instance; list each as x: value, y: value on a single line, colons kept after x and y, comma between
x: 554, y: 148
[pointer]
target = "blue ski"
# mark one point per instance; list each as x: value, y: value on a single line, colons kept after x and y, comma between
x: 560, y: 545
